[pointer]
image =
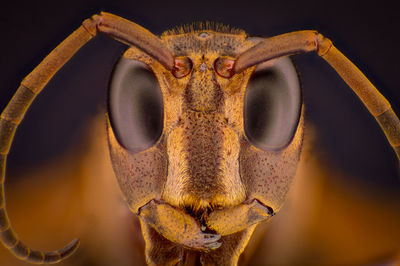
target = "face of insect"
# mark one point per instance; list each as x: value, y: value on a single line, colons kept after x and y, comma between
x: 217, y: 149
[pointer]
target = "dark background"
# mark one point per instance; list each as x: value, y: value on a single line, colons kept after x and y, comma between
x: 347, y: 135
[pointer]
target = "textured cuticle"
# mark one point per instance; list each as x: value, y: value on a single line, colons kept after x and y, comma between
x: 323, y: 44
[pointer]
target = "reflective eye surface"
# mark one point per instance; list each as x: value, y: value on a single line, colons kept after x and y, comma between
x: 272, y: 105
x: 135, y: 105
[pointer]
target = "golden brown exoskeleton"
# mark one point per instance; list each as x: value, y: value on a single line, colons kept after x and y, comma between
x: 205, y: 130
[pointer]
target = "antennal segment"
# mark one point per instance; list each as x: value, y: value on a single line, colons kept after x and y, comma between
x: 307, y: 41
x: 118, y: 28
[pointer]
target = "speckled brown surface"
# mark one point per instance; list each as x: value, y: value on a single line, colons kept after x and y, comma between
x: 203, y: 160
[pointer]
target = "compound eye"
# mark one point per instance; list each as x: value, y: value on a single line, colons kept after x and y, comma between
x: 135, y: 105
x: 272, y: 105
